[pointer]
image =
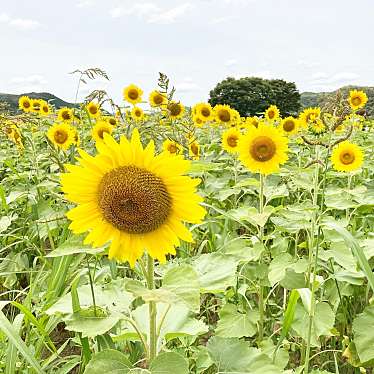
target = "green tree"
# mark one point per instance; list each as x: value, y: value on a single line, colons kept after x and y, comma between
x: 251, y: 95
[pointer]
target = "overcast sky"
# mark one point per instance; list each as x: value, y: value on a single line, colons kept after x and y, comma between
x: 318, y: 44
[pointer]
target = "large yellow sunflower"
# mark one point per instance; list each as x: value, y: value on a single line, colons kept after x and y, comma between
x: 272, y: 113
x: 128, y: 196
x: 347, y: 157
x: 157, y: 99
x: 357, y: 99
x: 101, y: 127
x: 45, y: 109
x: 263, y: 149
x: 204, y: 111
x: 172, y: 147
x: 289, y: 126
x: 93, y: 109
x: 137, y: 114
x: 65, y: 115
x: 61, y: 135
x: 24, y: 103
x: 194, y: 150
x: 132, y: 94
x: 36, y: 105
x: 230, y: 140
x: 175, y: 110
x: 309, y: 115
x: 223, y: 114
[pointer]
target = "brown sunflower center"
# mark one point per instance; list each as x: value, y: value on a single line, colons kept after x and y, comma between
x: 133, y: 94
x: 45, y: 109
x: 102, y: 131
x: 347, y: 157
x: 36, y: 106
x: 356, y: 100
x: 174, y: 109
x: 65, y: 115
x: 262, y: 148
x: 112, y: 121
x: 194, y: 149
x: 60, y: 136
x: 289, y: 126
x: 172, y: 148
x: 271, y: 114
x: 205, y: 112
x: 138, y: 113
x: 158, y: 99
x: 232, y: 141
x: 26, y: 104
x: 134, y: 200
x: 224, y: 115
x: 93, y: 109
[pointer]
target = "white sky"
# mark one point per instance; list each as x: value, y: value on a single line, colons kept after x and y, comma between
x: 318, y: 44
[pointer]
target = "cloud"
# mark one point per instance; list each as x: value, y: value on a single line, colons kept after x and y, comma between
x: 187, y: 85
x: 321, y: 81
x: 171, y: 15
x: 29, y: 83
x: 151, y: 12
x: 231, y: 62
x: 85, y: 3
x: 19, y: 23
x: 307, y: 63
x: 219, y: 20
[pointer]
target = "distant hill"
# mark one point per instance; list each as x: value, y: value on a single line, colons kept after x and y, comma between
x: 310, y: 99
x: 12, y: 100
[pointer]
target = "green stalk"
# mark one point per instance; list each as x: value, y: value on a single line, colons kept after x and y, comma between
x: 261, y: 304
x: 91, y: 286
x: 152, y: 311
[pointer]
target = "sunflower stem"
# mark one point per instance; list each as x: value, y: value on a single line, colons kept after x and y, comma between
x: 261, y: 304
x: 91, y: 287
x: 152, y: 311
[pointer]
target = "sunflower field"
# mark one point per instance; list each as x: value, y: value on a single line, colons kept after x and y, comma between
x: 149, y: 237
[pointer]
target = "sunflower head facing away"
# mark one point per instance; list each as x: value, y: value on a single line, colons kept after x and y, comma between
x: 61, y: 135
x: 230, y: 140
x: 24, y: 103
x: 157, y: 99
x: 263, y: 149
x: 172, y: 147
x: 93, y: 109
x: 309, y: 115
x: 132, y: 198
x: 357, y: 99
x: 223, y: 114
x: 272, y: 113
x: 175, y: 109
x: 347, y: 157
x: 65, y: 115
x: 137, y: 114
x: 289, y: 126
x: 132, y: 94
x: 194, y: 150
x: 101, y: 127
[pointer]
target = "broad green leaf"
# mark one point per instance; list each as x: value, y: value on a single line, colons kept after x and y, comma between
x: 5, y: 222
x: 323, y: 322
x: 216, y: 272
x: 108, y: 361
x: 169, y: 362
x: 236, y: 356
x: 74, y: 245
x: 233, y: 324
x: 363, y: 334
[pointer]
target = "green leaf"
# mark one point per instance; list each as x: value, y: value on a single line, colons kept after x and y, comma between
x: 108, y: 361
x: 5, y: 222
x: 74, y: 245
x: 323, y: 322
x: 183, y: 281
x: 18, y: 343
x: 233, y: 324
x: 363, y: 334
x: 169, y: 362
x: 216, y: 272
x: 235, y: 356
x: 282, y: 262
